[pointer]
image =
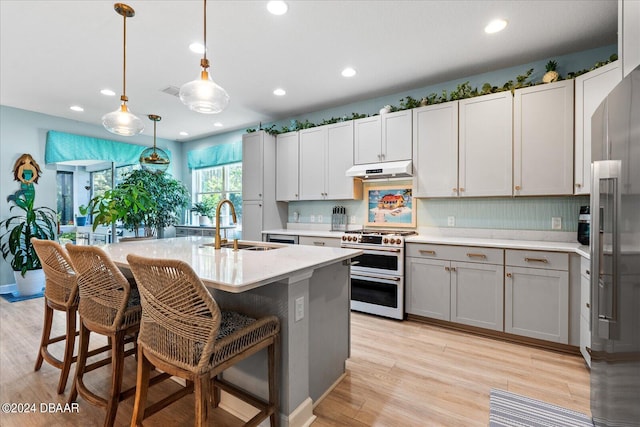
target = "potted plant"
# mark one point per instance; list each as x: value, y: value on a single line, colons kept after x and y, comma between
x: 16, y: 247
x: 81, y: 219
x: 154, y: 201
x: 205, y: 212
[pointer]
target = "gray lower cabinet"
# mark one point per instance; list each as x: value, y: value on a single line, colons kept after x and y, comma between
x: 443, y: 283
x: 184, y: 231
x: 537, y: 295
x: 585, y: 308
x: 330, y: 242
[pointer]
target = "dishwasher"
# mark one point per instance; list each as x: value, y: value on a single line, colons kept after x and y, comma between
x: 282, y: 238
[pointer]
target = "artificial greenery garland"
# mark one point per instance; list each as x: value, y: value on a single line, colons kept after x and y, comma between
x: 462, y: 91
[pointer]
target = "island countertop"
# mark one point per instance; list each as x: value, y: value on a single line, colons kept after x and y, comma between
x: 229, y: 270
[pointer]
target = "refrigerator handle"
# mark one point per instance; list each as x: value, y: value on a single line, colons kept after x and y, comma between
x: 604, y: 319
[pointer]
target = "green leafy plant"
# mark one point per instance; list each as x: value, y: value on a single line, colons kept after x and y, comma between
x: 39, y: 222
x: 84, y: 210
x: 125, y: 203
x: 204, y: 208
x: 408, y: 102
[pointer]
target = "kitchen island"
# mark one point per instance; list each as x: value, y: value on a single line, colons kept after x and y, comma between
x: 307, y: 287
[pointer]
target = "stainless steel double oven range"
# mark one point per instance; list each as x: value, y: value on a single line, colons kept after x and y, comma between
x: 377, y: 276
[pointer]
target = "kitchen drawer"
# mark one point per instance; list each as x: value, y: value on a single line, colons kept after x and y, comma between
x: 477, y: 254
x: 585, y: 267
x: 423, y: 250
x: 181, y: 232
x: 537, y: 259
x: 209, y: 233
x: 330, y: 242
x: 455, y: 253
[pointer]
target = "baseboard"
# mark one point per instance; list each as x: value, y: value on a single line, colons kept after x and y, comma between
x: 302, y: 416
x: 329, y: 390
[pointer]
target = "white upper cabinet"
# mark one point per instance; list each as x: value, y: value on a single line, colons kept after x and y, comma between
x: 287, y: 166
x: 253, y: 164
x: 435, y: 150
x: 485, y: 145
x: 543, y: 139
x: 326, y: 152
x: 383, y: 138
x: 629, y: 34
x: 590, y: 89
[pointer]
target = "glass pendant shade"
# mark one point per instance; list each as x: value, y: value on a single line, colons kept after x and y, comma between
x: 154, y: 159
x: 122, y: 122
x: 203, y: 95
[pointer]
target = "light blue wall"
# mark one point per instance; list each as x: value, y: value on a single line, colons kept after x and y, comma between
x: 26, y: 132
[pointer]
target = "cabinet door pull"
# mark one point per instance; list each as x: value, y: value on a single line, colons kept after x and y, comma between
x: 462, y: 189
x: 472, y: 255
x: 517, y: 188
x: 588, y: 272
x: 578, y: 185
x: 508, y: 274
x: 426, y: 252
x: 542, y: 260
x: 318, y: 243
x: 455, y: 190
x: 447, y: 269
x: 587, y: 304
x: 453, y: 269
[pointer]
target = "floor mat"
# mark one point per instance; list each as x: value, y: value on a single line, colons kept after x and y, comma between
x: 508, y: 409
x: 14, y: 296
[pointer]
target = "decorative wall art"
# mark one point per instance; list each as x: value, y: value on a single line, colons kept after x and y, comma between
x: 390, y: 206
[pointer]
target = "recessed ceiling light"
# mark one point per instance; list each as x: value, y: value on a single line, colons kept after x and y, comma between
x: 218, y: 124
x: 196, y: 48
x: 279, y: 92
x: 495, y: 26
x: 348, y: 72
x: 183, y: 133
x: 277, y: 7
x: 107, y: 92
x: 76, y: 108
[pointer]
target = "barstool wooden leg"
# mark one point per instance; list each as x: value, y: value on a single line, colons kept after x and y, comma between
x: 70, y: 341
x: 142, y: 386
x: 46, y: 333
x: 274, y: 392
x: 117, y: 366
x: 201, y: 400
x: 82, y: 361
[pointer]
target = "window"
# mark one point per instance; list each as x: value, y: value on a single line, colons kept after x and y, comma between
x: 217, y: 183
x: 64, y: 189
x: 101, y: 180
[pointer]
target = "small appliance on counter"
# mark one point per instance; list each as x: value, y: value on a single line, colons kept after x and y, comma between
x: 584, y: 225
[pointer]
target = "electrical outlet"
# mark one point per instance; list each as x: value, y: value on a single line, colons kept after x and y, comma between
x: 451, y: 221
x: 556, y: 223
x: 312, y: 218
x: 299, y: 309
x: 319, y: 218
x: 352, y: 220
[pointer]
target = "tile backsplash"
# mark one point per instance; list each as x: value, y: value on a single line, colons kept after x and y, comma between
x: 504, y: 213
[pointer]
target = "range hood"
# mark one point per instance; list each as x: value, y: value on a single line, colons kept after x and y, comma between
x: 399, y: 169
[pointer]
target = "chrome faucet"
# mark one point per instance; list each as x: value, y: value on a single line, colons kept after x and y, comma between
x: 219, y: 241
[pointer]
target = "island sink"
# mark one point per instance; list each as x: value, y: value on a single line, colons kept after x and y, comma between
x: 248, y: 246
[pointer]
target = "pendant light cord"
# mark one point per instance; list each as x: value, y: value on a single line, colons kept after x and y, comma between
x: 124, y: 60
x: 205, y: 30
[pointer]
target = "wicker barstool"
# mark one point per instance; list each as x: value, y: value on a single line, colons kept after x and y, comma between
x: 60, y: 293
x: 184, y: 333
x: 109, y: 306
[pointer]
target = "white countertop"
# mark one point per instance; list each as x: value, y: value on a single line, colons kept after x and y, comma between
x: 309, y: 233
x: 231, y: 271
x: 533, y: 245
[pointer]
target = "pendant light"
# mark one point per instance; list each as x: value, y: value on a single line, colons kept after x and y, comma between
x: 203, y: 95
x: 122, y: 121
x: 154, y: 160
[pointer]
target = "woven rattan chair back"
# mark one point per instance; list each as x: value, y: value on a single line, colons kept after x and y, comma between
x: 180, y: 318
x: 61, y: 286
x: 104, y: 291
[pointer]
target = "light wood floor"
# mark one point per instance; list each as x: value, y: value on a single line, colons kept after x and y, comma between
x: 399, y: 374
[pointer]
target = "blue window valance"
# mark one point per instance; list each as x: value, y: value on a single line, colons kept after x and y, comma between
x: 62, y: 147
x: 216, y: 155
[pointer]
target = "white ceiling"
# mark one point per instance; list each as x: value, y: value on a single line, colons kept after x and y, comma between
x: 59, y: 53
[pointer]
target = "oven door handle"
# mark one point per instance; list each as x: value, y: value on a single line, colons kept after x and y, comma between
x: 373, y: 276
x: 381, y: 249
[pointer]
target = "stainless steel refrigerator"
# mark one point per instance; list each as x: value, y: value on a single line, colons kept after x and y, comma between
x: 615, y: 257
